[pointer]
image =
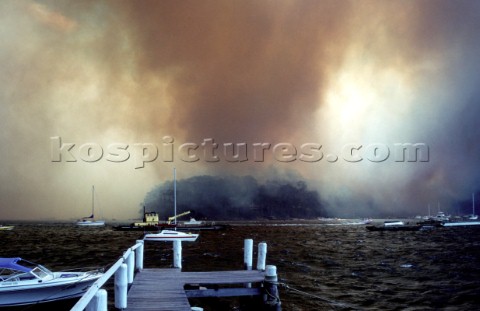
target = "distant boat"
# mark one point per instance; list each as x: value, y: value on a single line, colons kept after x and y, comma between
x: 441, y: 217
x: 151, y: 222
x: 26, y: 283
x: 469, y: 222
x: 199, y: 225
x: 90, y: 220
x: 394, y: 226
x: 461, y: 223
x: 6, y: 228
x: 170, y: 235
x: 193, y: 222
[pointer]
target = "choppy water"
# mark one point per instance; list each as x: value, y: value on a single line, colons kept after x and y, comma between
x: 342, y: 267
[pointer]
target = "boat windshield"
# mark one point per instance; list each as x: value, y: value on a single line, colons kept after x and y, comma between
x: 40, y: 272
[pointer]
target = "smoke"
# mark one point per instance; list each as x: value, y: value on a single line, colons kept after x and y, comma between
x: 325, y: 72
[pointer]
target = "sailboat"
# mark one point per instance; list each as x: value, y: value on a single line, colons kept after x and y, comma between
x: 90, y: 220
x: 172, y: 235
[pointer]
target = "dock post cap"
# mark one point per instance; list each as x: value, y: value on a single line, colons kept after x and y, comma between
x: 271, y: 273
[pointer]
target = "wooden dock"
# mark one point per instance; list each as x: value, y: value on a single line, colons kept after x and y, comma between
x: 164, y: 289
x: 169, y: 289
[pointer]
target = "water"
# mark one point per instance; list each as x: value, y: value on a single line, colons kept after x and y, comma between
x: 327, y: 267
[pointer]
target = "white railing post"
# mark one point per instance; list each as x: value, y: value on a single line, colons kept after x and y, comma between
x: 131, y: 267
x: 262, y: 256
x: 139, y: 256
x: 177, y: 254
x: 98, y: 302
x: 121, y: 285
x: 248, y: 254
x: 248, y: 257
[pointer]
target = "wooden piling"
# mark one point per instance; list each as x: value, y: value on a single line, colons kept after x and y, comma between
x: 271, y: 296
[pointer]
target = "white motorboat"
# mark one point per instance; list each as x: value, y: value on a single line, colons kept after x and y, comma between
x: 6, y: 228
x: 170, y: 235
x: 24, y: 283
x: 90, y: 221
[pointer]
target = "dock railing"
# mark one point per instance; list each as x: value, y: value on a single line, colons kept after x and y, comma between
x: 95, y: 298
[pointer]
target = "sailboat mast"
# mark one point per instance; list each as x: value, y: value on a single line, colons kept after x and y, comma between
x: 93, y: 200
x: 473, y: 203
x: 175, y: 195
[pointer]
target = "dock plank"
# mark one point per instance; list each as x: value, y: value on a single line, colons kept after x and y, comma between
x: 163, y: 289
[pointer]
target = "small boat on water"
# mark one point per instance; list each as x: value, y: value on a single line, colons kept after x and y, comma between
x: 171, y: 235
x: 394, y: 226
x: 90, y: 221
x: 6, y: 228
x: 461, y: 223
x: 151, y: 222
x: 204, y: 226
x: 199, y: 225
x: 24, y: 283
x: 470, y: 221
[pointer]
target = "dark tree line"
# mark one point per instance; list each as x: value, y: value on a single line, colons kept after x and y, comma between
x: 233, y: 197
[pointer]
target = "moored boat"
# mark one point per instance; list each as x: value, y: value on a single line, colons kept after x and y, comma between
x: 461, y: 223
x: 6, y: 228
x: 90, y: 221
x: 470, y: 220
x: 150, y: 222
x: 394, y: 226
x: 24, y: 283
x: 171, y: 235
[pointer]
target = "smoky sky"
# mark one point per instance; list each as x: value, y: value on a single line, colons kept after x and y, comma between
x: 326, y: 72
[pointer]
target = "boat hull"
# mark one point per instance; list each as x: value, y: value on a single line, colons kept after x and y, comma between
x: 136, y: 228
x: 393, y: 228
x: 18, y: 295
x: 202, y: 227
x: 144, y: 227
x: 97, y: 223
x: 169, y: 236
x: 461, y: 224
